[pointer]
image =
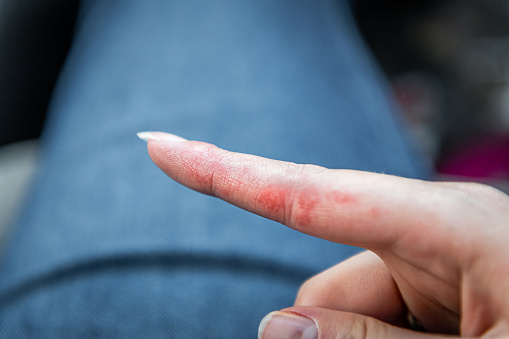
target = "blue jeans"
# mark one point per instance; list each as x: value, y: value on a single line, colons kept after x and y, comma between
x: 107, y: 245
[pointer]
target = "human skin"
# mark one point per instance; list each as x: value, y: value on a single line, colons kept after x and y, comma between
x: 436, y: 250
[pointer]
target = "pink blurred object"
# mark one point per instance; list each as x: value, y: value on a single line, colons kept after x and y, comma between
x: 487, y: 158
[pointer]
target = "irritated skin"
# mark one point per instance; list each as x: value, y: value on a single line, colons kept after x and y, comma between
x: 299, y: 196
x: 437, y: 250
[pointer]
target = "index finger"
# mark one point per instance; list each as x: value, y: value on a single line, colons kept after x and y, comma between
x: 350, y: 207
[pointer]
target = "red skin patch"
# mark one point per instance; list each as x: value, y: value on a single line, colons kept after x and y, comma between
x: 306, y: 202
x: 342, y: 198
x: 272, y: 200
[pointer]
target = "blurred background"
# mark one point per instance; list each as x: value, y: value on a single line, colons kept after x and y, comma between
x: 448, y: 65
x: 447, y: 62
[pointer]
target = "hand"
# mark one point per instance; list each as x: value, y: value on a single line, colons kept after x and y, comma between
x: 437, y: 251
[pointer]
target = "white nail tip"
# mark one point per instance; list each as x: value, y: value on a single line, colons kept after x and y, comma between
x: 264, y: 323
x: 146, y: 136
x: 160, y: 136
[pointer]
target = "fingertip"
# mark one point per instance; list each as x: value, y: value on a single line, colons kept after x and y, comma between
x: 158, y: 144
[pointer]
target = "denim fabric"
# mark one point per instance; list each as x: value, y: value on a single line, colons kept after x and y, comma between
x: 108, y: 246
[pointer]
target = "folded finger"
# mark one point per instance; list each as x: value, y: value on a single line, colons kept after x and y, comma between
x: 361, y: 284
x: 315, y: 323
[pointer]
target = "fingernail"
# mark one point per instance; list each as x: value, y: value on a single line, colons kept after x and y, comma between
x: 282, y: 325
x: 161, y: 136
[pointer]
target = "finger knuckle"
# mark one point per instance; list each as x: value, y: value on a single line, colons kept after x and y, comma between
x: 303, y: 193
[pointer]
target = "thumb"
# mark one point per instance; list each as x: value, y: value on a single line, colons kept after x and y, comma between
x: 321, y: 323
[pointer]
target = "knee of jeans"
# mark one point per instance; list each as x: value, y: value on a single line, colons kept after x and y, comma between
x: 147, y: 302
